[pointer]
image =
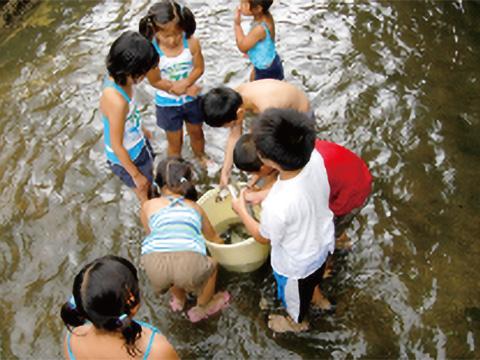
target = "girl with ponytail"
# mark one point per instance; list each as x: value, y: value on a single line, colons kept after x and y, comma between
x: 170, y: 27
x: 174, y: 252
x: 99, y: 315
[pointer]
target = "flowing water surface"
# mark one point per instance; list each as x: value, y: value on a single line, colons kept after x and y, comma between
x: 397, y: 82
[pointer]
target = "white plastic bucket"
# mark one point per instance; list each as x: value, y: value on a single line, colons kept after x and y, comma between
x: 243, y: 256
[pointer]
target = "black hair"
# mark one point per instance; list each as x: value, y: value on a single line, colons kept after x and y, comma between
x: 105, y: 291
x: 284, y: 136
x: 162, y: 13
x: 245, y: 154
x: 220, y: 106
x: 176, y: 174
x: 130, y: 55
x: 265, y: 4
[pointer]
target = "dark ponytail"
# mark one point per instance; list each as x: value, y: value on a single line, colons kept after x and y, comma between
x: 186, y: 19
x: 162, y: 13
x: 146, y: 27
x: 177, y: 175
x: 105, y: 292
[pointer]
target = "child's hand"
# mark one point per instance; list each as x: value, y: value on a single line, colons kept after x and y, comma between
x: 193, y: 90
x: 147, y: 133
x: 141, y: 182
x: 239, y: 205
x: 254, y: 197
x: 179, y: 87
x: 238, y: 17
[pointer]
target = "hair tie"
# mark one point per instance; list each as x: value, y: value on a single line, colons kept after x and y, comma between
x: 121, y: 319
x: 71, y: 302
x: 156, y: 187
x: 183, y: 180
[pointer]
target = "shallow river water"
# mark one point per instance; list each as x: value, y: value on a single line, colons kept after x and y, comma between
x: 397, y: 82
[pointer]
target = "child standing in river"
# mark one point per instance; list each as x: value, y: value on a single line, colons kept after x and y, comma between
x: 174, y: 252
x: 128, y: 151
x: 170, y: 27
x: 100, y: 315
x: 259, y: 43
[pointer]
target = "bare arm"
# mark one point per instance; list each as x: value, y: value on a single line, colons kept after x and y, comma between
x: 252, y: 226
x: 115, y: 109
x: 144, y: 218
x: 207, y: 228
x: 246, y: 42
x: 162, y: 349
x: 155, y: 79
x: 235, y: 133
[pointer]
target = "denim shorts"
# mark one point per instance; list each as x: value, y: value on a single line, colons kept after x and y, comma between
x: 170, y: 118
x: 274, y: 71
x: 144, y: 163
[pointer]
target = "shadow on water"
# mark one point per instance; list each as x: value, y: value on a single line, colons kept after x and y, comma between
x: 397, y: 82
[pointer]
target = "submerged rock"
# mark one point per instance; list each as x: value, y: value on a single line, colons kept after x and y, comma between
x: 12, y: 10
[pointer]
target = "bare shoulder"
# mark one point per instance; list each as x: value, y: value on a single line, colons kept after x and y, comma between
x: 111, y: 98
x: 194, y: 205
x: 153, y: 205
x: 193, y: 43
x: 162, y: 349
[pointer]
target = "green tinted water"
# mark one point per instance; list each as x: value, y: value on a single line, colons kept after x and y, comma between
x: 397, y: 82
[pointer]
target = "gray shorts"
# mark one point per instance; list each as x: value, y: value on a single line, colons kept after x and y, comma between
x: 186, y: 270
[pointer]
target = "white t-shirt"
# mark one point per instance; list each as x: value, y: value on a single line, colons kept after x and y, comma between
x: 297, y: 220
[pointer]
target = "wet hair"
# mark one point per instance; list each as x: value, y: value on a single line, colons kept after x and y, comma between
x: 162, y: 13
x: 176, y: 174
x: 220, y: 106
x: 104, y: 292
x: 245, y: 154
x: 265, y: 4
x: 284, y: 136
x: 130, y: 55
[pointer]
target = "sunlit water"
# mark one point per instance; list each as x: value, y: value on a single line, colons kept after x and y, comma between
x: 396, y: 82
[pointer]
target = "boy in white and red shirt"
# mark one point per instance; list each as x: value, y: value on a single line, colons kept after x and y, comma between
x: 349, y: 179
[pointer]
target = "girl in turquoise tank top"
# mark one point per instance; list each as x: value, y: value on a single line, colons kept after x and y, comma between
x: 170, y: 28
x: 100, y: 315
x: 127, y: 149
x: 259, y: 43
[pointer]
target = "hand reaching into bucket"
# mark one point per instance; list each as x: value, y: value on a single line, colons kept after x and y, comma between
x: 239, y: 204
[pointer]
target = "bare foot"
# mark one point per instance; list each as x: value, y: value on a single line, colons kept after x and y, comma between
x: 176, y: 304
x: 281, y: 324
x: 343, y: 242
x: 205, y: 162
x: 218, y: 302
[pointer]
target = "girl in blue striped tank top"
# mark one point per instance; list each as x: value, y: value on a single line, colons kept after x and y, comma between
x: 127, y: 149
x: 174, y: 253
x: 170, y: 28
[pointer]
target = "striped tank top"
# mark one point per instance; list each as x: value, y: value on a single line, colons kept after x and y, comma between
x: 176, y: 227
x: 133, y: 139
x: 173, y: 69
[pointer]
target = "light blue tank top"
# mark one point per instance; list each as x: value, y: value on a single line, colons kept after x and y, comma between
x: 133, y: 138
x: 173, y: 69
x: 263, y: 53
x: 176, y: 227
x: 143, y: 324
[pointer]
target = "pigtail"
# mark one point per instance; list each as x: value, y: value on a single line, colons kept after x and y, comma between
x: 131, y: 331
x: 146, y: 27
x: 186, y: 19
x: 71, y: 316
x: 188, y: 189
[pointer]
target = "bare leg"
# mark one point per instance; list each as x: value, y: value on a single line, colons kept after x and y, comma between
x: 343, y: 242
x: 142, y: 195
x: 178, y: 298
x: 328, y: 267
x: 175, y: 141
x: 252, y: 74
x: 197, y: 139
x: 319, y: 300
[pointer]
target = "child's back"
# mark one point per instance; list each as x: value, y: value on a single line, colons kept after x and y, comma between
x: 270, y: 93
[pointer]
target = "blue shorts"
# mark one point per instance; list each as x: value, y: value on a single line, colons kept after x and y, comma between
x: 296, y: 294
x: 170, y: 118
x: 274, y: 71
x: 144, y: 163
